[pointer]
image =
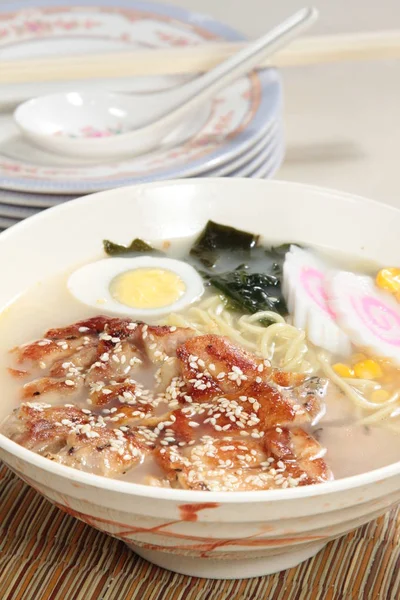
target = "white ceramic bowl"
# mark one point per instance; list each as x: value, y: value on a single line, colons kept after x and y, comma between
x: 206, y: 534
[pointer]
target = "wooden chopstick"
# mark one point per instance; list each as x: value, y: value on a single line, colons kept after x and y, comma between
x: 194, y: 59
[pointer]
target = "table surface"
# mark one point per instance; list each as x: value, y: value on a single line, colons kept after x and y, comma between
x: 342, y: 131
x: 48, y: 555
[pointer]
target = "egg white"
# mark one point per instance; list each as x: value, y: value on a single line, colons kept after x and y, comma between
x: 91, y: 284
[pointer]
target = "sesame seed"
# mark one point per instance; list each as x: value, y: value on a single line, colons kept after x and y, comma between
x: 258, y: 380
x: 278, y: 430
x: 193, y: 424
x: 86, y: 411
x: 69, y: 382
x: 131, y: 326
x: 83, y: 329
x: 104, y: 357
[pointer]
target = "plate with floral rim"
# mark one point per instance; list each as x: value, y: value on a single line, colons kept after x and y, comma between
x: 236, y: 118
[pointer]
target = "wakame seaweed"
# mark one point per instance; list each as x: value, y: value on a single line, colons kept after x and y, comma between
x: 137, y: 246
x: 216, y: 238
x: 251, y: 292
x: 254, y: 284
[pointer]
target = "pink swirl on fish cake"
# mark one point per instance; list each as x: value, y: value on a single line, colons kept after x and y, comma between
x: 313, y: 282
x: 379, y: 318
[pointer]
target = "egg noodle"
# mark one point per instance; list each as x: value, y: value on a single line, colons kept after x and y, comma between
x: 281, y: 343
x: 287, y: 348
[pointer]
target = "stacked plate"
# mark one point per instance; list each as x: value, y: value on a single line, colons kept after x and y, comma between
x: 238, y: 134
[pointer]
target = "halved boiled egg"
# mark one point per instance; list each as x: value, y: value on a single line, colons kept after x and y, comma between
x: 142, y: 287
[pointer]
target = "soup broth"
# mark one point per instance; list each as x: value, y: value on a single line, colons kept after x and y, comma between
x: 353, y: 437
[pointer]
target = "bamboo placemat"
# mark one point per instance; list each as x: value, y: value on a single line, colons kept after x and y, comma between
x: 48, y: 555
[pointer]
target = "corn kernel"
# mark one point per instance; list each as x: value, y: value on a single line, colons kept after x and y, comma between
x: 380, y: 396
x: 368, y: 369
x: 343, y: 370
x: 358, y: 357
x: 389, y: 279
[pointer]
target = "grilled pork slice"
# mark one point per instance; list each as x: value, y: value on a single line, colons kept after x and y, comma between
x: 215, y: 416
x: 80, y: 439
x: 43, y: 354
x: 41, y: 427
x: 214, y: 367
x: 288, y: 458
x: 109, y: 454
x: 90, y: 354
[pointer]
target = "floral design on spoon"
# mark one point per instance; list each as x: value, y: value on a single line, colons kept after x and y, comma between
x: 92, y: 132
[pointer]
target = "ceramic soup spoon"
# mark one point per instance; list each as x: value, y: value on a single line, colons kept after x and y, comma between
x: 105, y: 125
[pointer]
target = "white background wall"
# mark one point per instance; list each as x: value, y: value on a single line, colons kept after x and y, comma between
x: 343, y: 120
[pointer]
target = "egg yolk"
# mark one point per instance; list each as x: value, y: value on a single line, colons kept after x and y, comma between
x: 147, y: 288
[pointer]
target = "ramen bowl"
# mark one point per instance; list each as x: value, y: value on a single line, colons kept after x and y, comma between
x: 201, y: 533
